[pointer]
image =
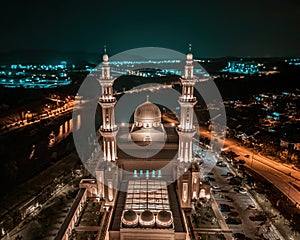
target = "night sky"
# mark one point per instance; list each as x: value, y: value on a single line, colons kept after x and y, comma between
x: 266, y: 28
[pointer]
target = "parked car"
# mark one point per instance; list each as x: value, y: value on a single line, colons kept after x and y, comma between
x: 258, y: 217
x: 238, y: 236
x: 221, y: 164
x: 251, y: 206
x: 209, y: 179
x: 224, y: 208
x: 215, y: 188
x: 233, y: 221
x: 229, y: 199
x: 242, y: 190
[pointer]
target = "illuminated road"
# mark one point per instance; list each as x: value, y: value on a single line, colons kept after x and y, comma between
x: 53, y: 113
x: 278, y: 174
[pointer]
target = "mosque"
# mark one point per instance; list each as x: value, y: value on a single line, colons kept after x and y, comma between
x: 145, y: 195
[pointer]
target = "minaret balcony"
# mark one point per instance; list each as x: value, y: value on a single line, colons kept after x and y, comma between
x: 108, y: 130
x: 107, y: 100
x: 188, y: 81
x: 187, y: 100
x: 106, y: 79
x: 186, y: 130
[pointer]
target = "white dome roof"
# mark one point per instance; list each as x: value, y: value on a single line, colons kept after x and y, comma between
x: 147, y: 113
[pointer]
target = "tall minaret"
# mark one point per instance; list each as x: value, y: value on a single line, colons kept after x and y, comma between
x: 187, y: 170
x: 108, y: 129
x: 187, y: 101
x: 106, y: 173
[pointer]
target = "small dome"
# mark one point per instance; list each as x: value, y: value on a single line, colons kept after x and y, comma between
x: 147, y: 115
x: 130, y: 218
x: 189, y: 56
x: 147, y: 219
x: 164, y: 219
x: 105, y: 57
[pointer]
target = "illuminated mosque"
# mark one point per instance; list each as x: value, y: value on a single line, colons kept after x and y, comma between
x: 154, y: 190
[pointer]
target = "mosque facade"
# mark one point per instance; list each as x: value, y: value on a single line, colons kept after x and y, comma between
x: 145, y: 195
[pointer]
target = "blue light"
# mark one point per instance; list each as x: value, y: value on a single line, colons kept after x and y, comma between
x: 159, y: 174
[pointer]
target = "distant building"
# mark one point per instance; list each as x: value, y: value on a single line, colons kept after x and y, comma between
x: 290, y: 144
x: 241, y: 67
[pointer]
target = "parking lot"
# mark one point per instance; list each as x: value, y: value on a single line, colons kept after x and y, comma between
x: 234, y: 208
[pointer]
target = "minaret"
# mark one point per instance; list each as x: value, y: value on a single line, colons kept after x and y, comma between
x: 187, y: 101
x: 188, y: 172
x: 108, y: 129
x: 106, y: 171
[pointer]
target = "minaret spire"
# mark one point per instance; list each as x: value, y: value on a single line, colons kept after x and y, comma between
x: 186, y: 173
x: 190, y: 47
x: 187, y: 101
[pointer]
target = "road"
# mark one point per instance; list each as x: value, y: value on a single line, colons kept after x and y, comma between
x: 278, y: 174
x: 53, y: 113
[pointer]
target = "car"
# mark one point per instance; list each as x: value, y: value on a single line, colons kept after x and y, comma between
x: 229, y: 199
x: 242, y: 190
x: 238, y: 236
x: 258, y: 217
x: 251, y: 206
x: 221, y: 164
x: 225, y: 216
x: 209, y: 179
x: 232, y: 220
x: 215, y: 188
x: 227, y: 174
x: 225, y: 190
x: 224, y: 208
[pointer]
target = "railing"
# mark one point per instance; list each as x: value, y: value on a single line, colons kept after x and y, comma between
x: 183, y: 99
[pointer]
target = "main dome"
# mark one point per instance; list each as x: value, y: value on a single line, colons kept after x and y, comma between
x: 147, y: 115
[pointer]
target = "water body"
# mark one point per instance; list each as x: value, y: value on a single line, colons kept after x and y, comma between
x: 28, y: 151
